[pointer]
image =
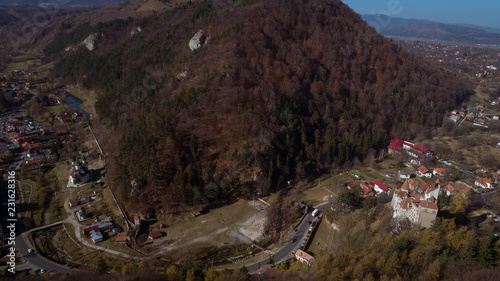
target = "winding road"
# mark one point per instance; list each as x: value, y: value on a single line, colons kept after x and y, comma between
x: 285, y: 252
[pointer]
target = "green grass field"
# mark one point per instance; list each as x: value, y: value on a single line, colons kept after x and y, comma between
x: 323, y: 238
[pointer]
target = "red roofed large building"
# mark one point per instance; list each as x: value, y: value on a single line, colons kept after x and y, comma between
x: 395, y: 146
x: 424, y: 149
x: 380, y: 187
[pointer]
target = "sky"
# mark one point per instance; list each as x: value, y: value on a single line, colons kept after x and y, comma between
x: 478, y: 12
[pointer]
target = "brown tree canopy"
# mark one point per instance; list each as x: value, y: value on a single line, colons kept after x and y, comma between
x: 282, y: 90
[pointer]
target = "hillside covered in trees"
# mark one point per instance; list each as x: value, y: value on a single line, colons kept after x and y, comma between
x: 281, y: 91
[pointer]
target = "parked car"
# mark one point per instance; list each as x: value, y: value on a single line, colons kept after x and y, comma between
x: 30, y: 251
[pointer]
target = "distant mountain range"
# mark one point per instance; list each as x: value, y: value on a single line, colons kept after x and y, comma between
x: 464, y: 33
x: 61, y: 2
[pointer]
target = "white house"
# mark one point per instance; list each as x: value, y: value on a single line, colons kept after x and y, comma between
x: 380, y: 187
x: 403, y: 175
x: 304, y: 257
x: 484, y: 183
x: 423, y: 172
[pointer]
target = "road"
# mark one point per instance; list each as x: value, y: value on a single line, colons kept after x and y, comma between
x: 34, y: 260
x: 22, y: 244
x: 285, y: 252
x: 448, y: 163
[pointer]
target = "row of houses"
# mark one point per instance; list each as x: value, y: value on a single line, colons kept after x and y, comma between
x: 475, y: 115
x: 370, y: 188
x: 422, y: 171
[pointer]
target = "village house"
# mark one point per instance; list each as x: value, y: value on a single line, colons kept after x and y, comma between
x: 63, y: 118
x: 380, y: 187
x: 414, y: 153
x: 404, y: 175
x: 396, y: 146
x: 95, y: 230
x: 450, y: 190
x: 482, y: 172
x: 81, y: 214
x: 454, y: 117
x: 439, y: 172
x: 78, y: 201
x: 79, y: 173
x: 495, y: 176
x: 366, y: 189
x: 413, y: 163
x: 121, y: 237
x: 100, y: 226
x: 419, y: 209
x: 31, y: 165
x: 154, y: 234
x: 424, y: 149
x: 423, y: 172
x: 484, y: 183
x: 462, y: 188
x: 96, y: 236
x: 304, y: 257
x: 196, y: 212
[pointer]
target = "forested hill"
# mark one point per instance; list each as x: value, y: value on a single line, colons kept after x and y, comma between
x: 281, y: 91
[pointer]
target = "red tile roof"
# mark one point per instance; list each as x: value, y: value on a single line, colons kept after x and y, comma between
x: 121, y: 237
x: 440, y: 171
x: 381, y: 186
x: 428, y: 205
x: 405, y: 204
x: 395, y: 143
x: 406, y: 185
x: 423, y: 186
x: 423, y: 170
x: 484, y: 181
x: 154, y: 234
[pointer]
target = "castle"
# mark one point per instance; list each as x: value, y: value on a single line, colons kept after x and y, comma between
x: 417, y: 202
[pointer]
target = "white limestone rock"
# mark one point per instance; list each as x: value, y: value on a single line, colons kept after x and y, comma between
x: 197, y: 41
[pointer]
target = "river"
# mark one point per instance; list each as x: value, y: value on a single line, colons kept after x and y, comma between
x: 76, y: 104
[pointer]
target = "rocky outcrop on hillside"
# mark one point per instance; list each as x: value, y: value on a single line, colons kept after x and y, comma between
x: 197, y: 41
x: 90, y: 42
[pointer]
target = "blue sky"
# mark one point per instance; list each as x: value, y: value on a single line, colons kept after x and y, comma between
x: 479, y: 12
